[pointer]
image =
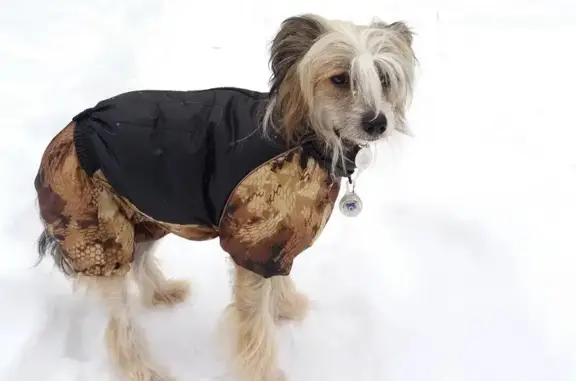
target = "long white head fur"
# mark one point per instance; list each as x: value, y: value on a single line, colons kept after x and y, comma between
x: 344, y: 84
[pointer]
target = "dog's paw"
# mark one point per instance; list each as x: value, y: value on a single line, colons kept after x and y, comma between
x: 272, y: 375
x: 294, y: 307
x: 160, y: 377
x: 279, y: 376
x: 148, y: 375
x: 171, y: 293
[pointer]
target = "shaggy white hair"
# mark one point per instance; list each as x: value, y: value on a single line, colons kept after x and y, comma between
x: 329, y: 75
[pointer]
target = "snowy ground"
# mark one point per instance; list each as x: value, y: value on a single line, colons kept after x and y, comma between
x: 461, y: 267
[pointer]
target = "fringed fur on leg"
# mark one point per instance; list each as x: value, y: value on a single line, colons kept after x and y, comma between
x: 250, y: 322
x: 288, y: 303
x: 126, y: 342
x: 155, y: 289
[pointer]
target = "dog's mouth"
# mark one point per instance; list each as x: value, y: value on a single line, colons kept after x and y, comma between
x: 362, y: 138
x: 357, y: 135
x: 371, y: 138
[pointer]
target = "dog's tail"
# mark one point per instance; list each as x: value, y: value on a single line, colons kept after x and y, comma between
x: 47, y: 244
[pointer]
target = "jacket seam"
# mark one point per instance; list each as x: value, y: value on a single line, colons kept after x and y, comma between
x: 245, y: 177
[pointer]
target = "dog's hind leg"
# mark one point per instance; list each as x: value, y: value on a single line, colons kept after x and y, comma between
x: 97, y: 253
x: 288, y: 303
x: 250, y: 318
x: 155, y: 289
x: 92, y: 241
x: 125, y: 340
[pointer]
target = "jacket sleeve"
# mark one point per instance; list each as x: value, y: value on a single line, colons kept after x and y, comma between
x: 276, y: 213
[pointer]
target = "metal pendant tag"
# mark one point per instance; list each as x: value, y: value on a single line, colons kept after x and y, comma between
x: 350, y: 204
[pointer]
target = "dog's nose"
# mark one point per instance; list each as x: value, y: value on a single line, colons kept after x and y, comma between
x: 374, y: 124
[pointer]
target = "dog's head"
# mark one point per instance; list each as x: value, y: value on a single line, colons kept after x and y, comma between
x: 347, y: 84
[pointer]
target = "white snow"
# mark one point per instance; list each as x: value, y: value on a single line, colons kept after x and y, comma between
x: 461, y: 268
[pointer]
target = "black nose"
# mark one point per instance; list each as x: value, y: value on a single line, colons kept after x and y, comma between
x: 374, y: 124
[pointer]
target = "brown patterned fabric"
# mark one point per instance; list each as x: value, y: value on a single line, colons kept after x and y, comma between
x: 94, y: 237
x: 154, y: 229
x: 274, y: 214
x: 277, y: 212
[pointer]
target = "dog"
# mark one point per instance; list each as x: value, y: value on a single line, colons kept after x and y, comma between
x: 259, y: 171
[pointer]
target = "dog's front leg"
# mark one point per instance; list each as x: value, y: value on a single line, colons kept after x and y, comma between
x: 251, y: 317
x: 288, y: 303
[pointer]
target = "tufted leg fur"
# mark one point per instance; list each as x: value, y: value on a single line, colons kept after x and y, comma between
x: 251, y: 321
x: 125, y: 340
x: 92, y: 240
x: 155, y: 289
x: 288, y: 303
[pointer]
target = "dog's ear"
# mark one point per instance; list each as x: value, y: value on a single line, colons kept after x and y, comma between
x: 403, y: 31
x: 399, y: 27
x: 296, y: 35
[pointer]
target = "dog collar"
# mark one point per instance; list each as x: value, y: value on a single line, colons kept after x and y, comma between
x: 343, y: 168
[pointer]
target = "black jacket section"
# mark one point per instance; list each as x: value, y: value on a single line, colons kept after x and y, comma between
x: 176, y: 155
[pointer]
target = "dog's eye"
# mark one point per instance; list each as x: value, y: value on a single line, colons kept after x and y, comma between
x: 385, y: 80
x: 340, y: 79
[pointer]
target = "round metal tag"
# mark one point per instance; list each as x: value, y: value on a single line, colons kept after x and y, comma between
x: 350, y: 205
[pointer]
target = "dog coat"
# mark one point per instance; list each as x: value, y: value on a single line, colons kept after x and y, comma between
x: 196, y: 164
